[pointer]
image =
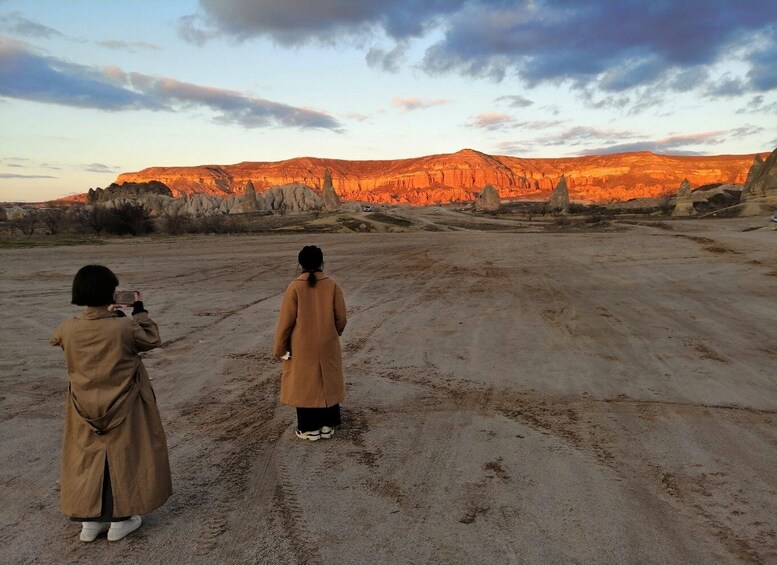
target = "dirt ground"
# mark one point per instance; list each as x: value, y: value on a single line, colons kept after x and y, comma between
x: 514, y: 397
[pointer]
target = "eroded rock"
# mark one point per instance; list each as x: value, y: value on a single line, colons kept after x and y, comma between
x: 488, y: 199
x: 559, y: 199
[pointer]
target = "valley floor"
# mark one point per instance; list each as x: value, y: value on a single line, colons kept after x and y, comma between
x: 602, y: 397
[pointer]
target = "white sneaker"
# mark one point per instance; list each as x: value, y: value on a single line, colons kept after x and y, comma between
x: 310, y: 436
x: 121, y: 529
x: 90, y: 530
x: 327, y: 432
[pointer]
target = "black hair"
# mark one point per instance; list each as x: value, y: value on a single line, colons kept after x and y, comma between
x: 310, y: 259
x: 94, y: 285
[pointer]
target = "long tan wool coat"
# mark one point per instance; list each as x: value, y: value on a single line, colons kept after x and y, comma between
x: 310, y: 324
x: 109, y: 392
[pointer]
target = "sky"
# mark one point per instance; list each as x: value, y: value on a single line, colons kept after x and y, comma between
x: 89, y: 88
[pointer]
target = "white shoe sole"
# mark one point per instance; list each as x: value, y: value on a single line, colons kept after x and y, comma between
x: 91, y: 534
x: 329, y: 434
x: 120, y: 530
x: 309, y: 436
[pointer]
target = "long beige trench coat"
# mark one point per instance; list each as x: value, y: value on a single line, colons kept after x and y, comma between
x: 310, y: 324
x: 111, y: 414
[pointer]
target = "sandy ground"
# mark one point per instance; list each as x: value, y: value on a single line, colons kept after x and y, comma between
x: 513, y: 398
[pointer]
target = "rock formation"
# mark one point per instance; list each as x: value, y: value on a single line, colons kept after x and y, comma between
x: 684, y: 204
x: 328, y: 194
x: 249, y: 198
x: 488, y: 199
x: 292, y: 198
x: 761, y: 179
x: 458, y: 176
x: 559, y: 199
x: 127, y: 190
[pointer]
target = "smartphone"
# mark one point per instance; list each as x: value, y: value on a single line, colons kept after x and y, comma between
x: 126, y: 297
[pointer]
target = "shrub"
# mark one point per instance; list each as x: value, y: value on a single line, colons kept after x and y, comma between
x: 129, y: 218
x: 175, y: 224
x: 54, y: 220
x: 26, y: 223
x: 92, y: 219
x: 216, y: 224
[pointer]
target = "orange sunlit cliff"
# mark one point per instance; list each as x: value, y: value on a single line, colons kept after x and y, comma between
x: 459, y: 176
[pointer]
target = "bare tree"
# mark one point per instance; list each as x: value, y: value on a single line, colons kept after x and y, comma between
x: 26, y: 223
x: 53, y: 219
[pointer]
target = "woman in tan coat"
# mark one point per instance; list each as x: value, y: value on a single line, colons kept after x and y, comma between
x: 114, y: 453
x: 307, y: 338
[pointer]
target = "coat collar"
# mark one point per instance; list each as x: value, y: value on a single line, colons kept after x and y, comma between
x: 319, y: 276
x: 96, y: 312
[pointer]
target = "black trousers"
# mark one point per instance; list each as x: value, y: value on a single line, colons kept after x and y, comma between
x: 312, y: 419
x: 107, y: 502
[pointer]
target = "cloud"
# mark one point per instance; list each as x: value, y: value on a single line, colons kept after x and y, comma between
x: 492, y: 121
x: 15, y: 22
x: 763, y: 72
x: 515, y: 100
x: 359, y: 117
x: 233, y: 107
x: 27, y: 75
x: 616, y: 45
x: 390, y: 61
x: 305, y: 21
x: 611, y: 45
x: 677, y: 144
x: 414, y: 103
x: 190, y: 29
x: 540, y: 124
x: 100, y: 168
x: 759, y: 105
x: 515, y: 147
x: 131, y: 46
x: 15, y: 176
x: 582, y: 135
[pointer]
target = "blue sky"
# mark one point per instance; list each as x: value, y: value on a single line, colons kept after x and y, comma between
x: 89, y: 89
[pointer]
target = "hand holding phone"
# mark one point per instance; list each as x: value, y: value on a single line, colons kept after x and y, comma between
x: 126, y: 297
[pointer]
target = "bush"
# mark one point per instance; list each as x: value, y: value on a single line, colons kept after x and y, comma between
x: 128, y: 218
x: 216, y: 224
x: 92, y: 219
x: 26, y: 223
x: 175, y: 224
x: 54, y: 220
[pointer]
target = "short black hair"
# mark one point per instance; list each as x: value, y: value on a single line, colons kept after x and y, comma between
x: 94, y: 285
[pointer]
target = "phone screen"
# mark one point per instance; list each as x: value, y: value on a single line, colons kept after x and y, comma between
x: 124, y: 297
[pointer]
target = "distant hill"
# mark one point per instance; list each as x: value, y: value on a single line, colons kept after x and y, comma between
x: 459, y: 176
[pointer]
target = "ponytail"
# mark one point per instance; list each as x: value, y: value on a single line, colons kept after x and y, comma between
x: 312, y: 280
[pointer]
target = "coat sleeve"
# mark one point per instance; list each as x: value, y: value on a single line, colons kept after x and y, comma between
x: 286, y: 321
x: 145, y: 332
x: 56, y: 337
x: 340, y: 316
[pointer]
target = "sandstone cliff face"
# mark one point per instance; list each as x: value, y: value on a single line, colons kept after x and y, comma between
x: 459, y: 176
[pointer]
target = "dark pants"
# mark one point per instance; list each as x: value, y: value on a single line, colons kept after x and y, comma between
x: 107, y: 502
x: 312, y: 419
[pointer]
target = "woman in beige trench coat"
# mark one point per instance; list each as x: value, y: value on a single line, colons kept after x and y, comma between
x: 307, y: 338
x: 114, y: 453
